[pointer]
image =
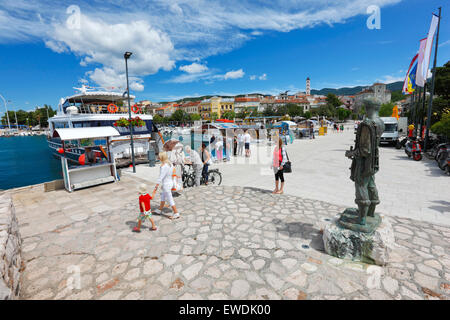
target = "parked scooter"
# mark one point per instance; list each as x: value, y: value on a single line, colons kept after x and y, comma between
x: 442, y: 156
x: 413, y: 149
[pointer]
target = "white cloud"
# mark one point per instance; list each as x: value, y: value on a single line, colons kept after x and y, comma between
x: 261, y: 77
x: 101, y: 43
x: 236, y: 74
x: 390, y: 79
x: 109, y: 78
x: 194, y: 68
x: 209, y: 76
x: 159, y: 33
x: 445, y: 43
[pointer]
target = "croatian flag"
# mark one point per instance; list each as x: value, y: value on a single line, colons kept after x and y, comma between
x: 409, y: 85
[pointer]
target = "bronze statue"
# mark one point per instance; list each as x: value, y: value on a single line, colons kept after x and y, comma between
x: 365, y: 164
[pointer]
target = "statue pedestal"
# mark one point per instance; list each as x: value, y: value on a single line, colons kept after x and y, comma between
x: 371, y: 244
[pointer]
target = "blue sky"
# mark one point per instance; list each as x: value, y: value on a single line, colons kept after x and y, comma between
x: 191, y: 48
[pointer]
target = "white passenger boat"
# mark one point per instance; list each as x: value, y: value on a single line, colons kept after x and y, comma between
x: 96, y: 108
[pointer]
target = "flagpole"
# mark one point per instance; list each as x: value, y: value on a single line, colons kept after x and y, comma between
x: 422, y: 110
x: 417, y: 115
x: 430, y: 106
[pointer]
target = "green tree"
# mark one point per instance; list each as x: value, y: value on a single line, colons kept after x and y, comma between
x: 386, y: 109
x: 442, y: 81
x: 396, y: 96
x: 195, y: 117
x: 268, y: 112
x: 442, y: 127
x: 230, y: 115
x: 157, y: 118
x: 179, y: 116
x: 308, y: 114
x: 214, y: 116
x: 333, y: 100
x: 343, y: 113
x: 294, y: 110
x: 243, y: 113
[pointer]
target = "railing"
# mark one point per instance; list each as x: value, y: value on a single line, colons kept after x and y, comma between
x: 103, y: 109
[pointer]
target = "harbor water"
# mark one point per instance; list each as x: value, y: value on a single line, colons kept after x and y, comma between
x: 26, y: 161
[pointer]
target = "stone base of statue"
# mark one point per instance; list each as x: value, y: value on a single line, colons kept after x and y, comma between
x: 370, y: 243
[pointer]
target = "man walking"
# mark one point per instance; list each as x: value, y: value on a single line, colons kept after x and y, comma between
x: 247, y: 140
x: 197, y: 164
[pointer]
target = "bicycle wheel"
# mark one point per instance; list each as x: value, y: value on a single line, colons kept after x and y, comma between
x: 190, y: 181
x: 215, y: 177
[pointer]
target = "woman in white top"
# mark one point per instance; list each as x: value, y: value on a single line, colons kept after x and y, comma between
x: 166, y: 181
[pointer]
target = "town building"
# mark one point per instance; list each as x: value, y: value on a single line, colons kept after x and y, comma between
x: 217, y: 105
x: 308, y: 86
x: 247, y: 103
x: 190, y: 107
x: 377, y: 91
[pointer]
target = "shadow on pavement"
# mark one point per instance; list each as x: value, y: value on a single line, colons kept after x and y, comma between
x: 302, y: 230
x: 441, y: 206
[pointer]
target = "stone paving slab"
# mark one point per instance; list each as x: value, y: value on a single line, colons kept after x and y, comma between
x: 230, y: 243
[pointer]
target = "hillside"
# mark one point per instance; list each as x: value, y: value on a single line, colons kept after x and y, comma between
x: 395, y: 86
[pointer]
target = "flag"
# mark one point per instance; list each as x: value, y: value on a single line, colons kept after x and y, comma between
x: 428, y: 46
x: 409, y: 85
x: 395, y: 112
x: 420, y: 81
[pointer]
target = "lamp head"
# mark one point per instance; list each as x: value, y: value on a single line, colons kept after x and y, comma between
x: 127, y: 55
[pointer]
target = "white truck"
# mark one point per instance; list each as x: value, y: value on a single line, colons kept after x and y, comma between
x: 390, y: 134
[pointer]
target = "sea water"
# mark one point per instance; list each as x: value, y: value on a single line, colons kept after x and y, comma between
x: 26, y: 161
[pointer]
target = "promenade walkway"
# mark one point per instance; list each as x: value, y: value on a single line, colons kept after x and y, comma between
x: 230, y: 243
x: 412, y: 189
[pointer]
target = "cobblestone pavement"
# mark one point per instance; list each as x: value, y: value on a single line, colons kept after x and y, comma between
x: 230, y: 243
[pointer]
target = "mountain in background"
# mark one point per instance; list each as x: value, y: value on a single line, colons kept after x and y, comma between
x: 394, y: 86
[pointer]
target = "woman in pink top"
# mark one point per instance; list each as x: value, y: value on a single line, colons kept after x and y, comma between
x: 279, y: 159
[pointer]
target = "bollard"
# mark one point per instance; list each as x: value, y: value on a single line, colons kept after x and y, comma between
x: 151, y: 157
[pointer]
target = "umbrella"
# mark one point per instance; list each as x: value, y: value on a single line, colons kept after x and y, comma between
x: 172, y: 144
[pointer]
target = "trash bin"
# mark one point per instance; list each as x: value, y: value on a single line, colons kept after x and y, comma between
x: 151, y: 157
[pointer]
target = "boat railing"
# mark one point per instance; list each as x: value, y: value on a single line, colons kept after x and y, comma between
x: 103, y: 109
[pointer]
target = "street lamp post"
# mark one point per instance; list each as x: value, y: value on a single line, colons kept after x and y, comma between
x: 6, y: 108
x: 127, y: 55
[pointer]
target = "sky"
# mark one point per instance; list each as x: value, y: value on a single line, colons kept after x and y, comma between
x: 197, y: 47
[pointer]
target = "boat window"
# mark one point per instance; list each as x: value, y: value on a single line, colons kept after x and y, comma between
x: 59, y: 125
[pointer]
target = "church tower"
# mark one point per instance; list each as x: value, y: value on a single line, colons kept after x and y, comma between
x: 308, y: 86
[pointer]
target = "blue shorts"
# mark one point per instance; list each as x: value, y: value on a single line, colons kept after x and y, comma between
x: 247, y: 146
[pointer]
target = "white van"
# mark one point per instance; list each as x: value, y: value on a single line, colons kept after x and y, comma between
x: 390, y: 134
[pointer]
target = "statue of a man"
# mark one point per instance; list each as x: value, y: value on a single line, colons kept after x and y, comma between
x: 365, y: 161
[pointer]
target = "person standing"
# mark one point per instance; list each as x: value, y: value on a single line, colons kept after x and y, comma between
x: 247, y: 140
x: 197, y: 164
x: 235, y: 143
x: 165, y: 180
x: 206, y: 158
x: 240, y: 144
x: 219, y: 149
x: 311, y: 131
x: 279, y: 159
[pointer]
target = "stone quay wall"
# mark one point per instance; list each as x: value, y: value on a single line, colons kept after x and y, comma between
x: 10, y: 250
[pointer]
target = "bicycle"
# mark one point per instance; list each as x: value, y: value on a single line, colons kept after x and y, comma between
x: 188, y: 177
